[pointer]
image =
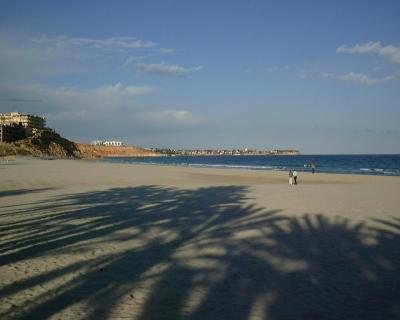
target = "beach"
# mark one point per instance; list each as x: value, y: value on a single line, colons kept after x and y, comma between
x: 92, y: 240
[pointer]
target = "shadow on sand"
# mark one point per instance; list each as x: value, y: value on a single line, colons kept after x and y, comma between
x: 152, y: 252
x: 18, y: 192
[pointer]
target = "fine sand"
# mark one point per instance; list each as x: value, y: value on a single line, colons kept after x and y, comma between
x: 91, y: 240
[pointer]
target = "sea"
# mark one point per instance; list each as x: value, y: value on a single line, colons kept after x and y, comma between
x: 382, y: 165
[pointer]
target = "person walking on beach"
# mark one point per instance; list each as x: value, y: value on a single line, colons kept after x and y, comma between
x: 312, y: 167
x: 295, y: 176
x: 290, y: 177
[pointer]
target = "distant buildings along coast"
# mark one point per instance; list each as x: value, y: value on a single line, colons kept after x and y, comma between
x: 223, y: 152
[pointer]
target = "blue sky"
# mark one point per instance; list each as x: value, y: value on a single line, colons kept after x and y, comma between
x: 318, y: 76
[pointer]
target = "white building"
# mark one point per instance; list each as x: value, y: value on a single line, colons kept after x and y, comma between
x: 107, y: 143
x: 113, y: 143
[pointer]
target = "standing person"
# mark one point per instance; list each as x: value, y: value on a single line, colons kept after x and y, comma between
x: 290, y: 177
x: 312, y: 167
x: 295, y: 176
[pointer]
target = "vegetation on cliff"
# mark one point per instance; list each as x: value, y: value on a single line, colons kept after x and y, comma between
x: 42, y: 143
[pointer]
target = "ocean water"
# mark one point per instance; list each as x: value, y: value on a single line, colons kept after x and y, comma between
x: 388, y: 165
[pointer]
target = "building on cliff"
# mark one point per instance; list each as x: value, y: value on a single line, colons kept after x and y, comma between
x: 25, y: 119
x: 16, y: 126
x: 107, y: 143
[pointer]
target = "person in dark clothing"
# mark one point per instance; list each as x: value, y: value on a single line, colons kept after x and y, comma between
x: 295, y: 176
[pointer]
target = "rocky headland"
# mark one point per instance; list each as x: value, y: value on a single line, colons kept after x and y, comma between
x: 48, y: 143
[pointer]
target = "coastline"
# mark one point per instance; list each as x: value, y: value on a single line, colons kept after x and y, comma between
x: 86, y: 238
x: 385, y: 165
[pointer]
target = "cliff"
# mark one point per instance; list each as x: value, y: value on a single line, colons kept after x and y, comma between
x: 44, y: 142
x: 47, y: 143
x: 89, y: 151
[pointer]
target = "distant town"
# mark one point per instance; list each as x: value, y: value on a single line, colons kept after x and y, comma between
x: 223, y: 152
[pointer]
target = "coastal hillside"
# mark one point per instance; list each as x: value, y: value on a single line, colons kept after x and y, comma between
x: 90, y: 151
x: 47, y: 143
x: 41, y: 143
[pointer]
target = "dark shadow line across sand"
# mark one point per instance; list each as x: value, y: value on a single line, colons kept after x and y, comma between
x: 17, y: 192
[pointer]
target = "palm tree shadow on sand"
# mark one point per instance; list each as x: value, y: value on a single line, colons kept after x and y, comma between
x: 152, y: 252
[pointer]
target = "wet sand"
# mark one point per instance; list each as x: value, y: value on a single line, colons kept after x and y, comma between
x: 90, y: 240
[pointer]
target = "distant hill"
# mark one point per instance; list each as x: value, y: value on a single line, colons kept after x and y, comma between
x: 90, y: 151
x: 45, y: 143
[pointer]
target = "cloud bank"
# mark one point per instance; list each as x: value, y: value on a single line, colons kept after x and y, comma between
x: 133, y: 59
x: 171, y: 117
x: 167, y: 50
x: 111, y: 111
x: 358, y: 78
x: 390, y: 52
x: 273, y: 69
x: 113, y: 43
x: 165, y: 69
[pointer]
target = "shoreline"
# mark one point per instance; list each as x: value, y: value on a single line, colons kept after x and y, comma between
x: 106, y: 170
x: 243, y: 167
x: 193, y: 166
x: 108, y: 159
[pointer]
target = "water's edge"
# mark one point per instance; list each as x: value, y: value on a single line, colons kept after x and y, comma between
x: 385, y: 165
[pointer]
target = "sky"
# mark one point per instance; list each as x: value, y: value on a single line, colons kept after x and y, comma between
x: 317, y: 76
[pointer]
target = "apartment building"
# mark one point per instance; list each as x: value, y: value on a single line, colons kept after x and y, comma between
x: 25, y: 119
x: 15, y: 126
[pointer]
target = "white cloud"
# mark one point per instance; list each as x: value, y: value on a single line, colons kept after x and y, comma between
x: 165, y: 69
x: 103, y: 99
x: 135, y: 90
x: 287, y: 71
x: 119, y: 89
x: 133, y: 59
x: 302, y: 74
x: 112, y: 43
x: 85, y: 111
x: 169, y: 117
x: 167, y: 50
x: 389, y: 52
x: 45, y: 58
x: 273, y: 69
x: 358, y: 77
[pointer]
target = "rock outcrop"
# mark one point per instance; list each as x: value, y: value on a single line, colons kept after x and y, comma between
x: 44, y: 142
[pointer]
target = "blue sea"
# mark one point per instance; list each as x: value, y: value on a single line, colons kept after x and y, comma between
x: 388, y: 165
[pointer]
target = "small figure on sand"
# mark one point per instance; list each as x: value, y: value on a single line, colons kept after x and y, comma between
x: 313, y: 167
x: 290, y: 177
x: 295, y: 176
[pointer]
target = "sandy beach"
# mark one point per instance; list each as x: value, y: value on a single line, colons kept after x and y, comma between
x: 90, y: 240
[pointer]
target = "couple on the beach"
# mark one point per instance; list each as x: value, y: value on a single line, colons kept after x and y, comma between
x: 292, y: 177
